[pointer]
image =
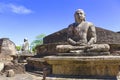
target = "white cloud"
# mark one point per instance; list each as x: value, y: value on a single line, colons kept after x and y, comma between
x: 14, y: 9
x: 19, y: 9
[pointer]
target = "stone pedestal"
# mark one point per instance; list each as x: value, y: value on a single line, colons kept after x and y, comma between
x: 84, y: 65
x: 22, y: 57
x: 36, y: 64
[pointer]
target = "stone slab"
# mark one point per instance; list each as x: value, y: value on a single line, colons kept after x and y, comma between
x: 85, y: 65
x: 36, y: 64
x: 82, y: 58
x: 83, y: 54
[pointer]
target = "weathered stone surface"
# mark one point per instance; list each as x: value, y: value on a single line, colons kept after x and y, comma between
x: 60, y: 36
x: 21, y: 58
x: 18, y: 68
x: 84, y: 66
x: 7, y: 47
x: 4, y: 57
x: 36, y: 64
x: 91, y: 48
x: 10, y: 73
x: 103, y: 36
x: 1, y: 66
x: 46, y: 49
x: 74, y: 53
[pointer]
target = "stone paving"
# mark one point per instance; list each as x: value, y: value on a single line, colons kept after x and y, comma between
x: 32, y: 76
x: 25, y: 76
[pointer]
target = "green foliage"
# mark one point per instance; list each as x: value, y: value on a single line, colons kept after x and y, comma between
x: 37, y: 41
x: 18, y: 48
x: 41, y: 36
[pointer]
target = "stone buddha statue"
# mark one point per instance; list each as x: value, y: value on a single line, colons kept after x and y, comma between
x: 81, y: 37
x: 25, y: 46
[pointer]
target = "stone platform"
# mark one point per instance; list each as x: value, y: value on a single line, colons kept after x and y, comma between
x: 36, y: 64
x: 106, y: 66
x: 22, y: 57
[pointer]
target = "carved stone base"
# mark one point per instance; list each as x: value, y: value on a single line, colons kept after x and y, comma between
x: 36, y: 64
x: 84, y: 65
x: 21, y: 58
x: 83, y: 54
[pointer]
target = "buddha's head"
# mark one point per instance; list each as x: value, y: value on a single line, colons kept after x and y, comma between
x: 79, y: 15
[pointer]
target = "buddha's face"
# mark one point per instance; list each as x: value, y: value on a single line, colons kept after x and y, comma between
x: 79, y: 15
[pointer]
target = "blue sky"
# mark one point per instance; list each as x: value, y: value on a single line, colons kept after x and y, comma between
x: 29, y: 18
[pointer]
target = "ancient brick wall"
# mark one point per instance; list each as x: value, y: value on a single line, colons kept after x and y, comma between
x: 103, y: 36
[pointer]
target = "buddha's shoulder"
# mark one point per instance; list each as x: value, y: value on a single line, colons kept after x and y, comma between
x: 72, y: 25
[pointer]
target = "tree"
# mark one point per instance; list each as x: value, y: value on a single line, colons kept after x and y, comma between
x: 18, y: 48
x: 37, y: 41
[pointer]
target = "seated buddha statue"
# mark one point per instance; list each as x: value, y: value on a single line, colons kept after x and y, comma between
x: 81, y: 37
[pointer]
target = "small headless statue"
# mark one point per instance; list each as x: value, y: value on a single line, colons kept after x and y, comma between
x: 81, y: 37
x: 25, y: 46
